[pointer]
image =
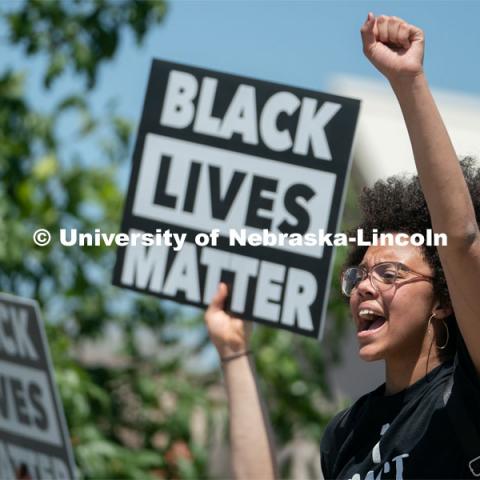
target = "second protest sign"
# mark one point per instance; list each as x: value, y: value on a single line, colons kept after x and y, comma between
x: 34, y: 440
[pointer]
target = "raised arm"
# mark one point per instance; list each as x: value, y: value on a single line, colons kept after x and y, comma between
x: 396, y: 49
x: 251, y: 445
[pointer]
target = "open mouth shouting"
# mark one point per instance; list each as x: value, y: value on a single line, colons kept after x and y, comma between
x: 369, y: 321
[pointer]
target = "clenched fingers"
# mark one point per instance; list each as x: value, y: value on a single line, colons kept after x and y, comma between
x: 404, y: 35
x: 392, y: 31
x: 368, y: 33
x: 382, y: 25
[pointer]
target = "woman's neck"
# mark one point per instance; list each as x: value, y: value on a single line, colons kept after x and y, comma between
x: 404, y: 371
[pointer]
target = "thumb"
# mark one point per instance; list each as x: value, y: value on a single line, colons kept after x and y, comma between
x: 218, y: 300
x: 368, y: 33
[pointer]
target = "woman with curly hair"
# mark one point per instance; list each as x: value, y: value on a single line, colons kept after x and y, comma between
x: 416, y: 308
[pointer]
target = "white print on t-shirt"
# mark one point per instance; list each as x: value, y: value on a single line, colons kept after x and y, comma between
x: 397, y: 462
x: 376, y: 457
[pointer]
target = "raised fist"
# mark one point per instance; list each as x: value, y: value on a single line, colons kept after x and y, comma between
x: 393, y: 46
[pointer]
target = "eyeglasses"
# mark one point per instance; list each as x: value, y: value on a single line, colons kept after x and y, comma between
x: 382, y: 276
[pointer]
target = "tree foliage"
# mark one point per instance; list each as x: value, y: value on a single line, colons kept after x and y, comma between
x: 131, y: 415
x: 77, y: 34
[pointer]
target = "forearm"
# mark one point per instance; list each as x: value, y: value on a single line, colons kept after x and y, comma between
x: 439, y: 171
x: 251, y: 444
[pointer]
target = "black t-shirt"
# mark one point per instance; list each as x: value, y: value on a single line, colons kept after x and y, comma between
x: 408, y: 435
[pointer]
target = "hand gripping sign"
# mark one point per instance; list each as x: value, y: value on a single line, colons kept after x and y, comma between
x: 222, y: 168
x: 34, y: 441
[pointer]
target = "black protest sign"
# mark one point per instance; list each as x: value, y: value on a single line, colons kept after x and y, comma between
x: 243, y: 163
x: 34, y: 441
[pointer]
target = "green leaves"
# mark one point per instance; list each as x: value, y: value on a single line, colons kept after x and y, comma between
x: 79, y: 35
x: 45, y: 168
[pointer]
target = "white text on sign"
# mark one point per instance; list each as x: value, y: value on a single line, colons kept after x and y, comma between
x: 14, y: 338
x: 26, y: 404
x: 224, y: 188
x: 241, y: 116
x: 39, y: 465
x: 283, y: 295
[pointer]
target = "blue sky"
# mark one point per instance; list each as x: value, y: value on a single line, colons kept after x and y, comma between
x: 301, y: 43
x: 295, y: 42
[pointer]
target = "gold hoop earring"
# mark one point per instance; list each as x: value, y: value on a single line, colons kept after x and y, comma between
x: 444, y: 346
x: 448, y: 336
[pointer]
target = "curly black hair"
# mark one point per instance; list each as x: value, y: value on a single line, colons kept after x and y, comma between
x: 397, y: 204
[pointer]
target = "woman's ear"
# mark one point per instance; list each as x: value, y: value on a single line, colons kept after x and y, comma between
x: 441, y: 311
